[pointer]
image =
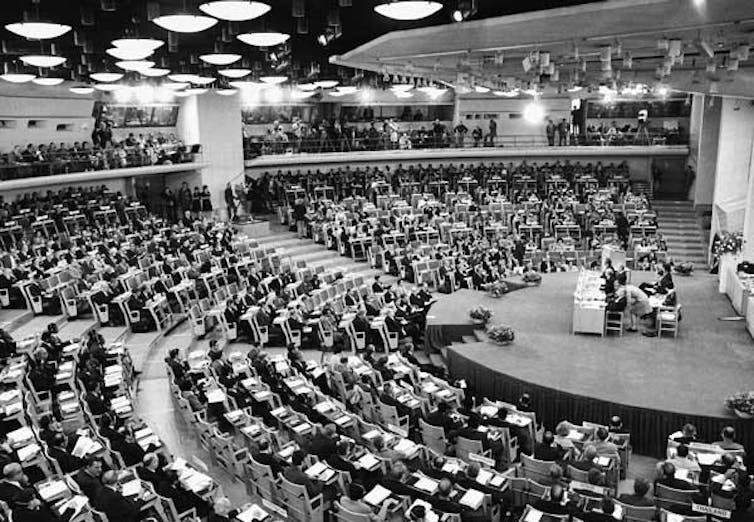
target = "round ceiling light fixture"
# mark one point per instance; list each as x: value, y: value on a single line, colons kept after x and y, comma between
x: 307, y: 87
x: 135, y: 65
x: 226, y: 91
x: 220, y: 58
x: 38, y: 30
x: 48, y: 82
x: 326, y: 84
x: 154, y: 72
x: 106, y: 77
x: 124, y: 53
x: 195, y: 90
x: 347, y: 89
x: 234, y: 73
x: 185, y: 23
x: 41, y: 60
x: 81, y: 89
x: 138, y: 44
x: 203, y: 80
x: 175, y: 86
x: 235, y: 10
x: 108, y: 87
x: 273, y: 80
x: 248, y: 85
x: 269, y: 39
x: 408, y: 9
x: 298, y: 94
x: 17, y: 77
x: 183, y: 77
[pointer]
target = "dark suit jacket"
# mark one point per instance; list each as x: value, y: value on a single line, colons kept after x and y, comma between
x: 635, y: 500
x: 90, y: 486
x: 24, y: 514
x: 398, y: 488
x: 446, y: 506
x: 8, y: 491
x: 267, y: 459
x: 323, y: 446
x: 675, y: 483
x: 543, y: 452
x: 299, y: 477
x: 68, y: 463
x: 116, y: 506
x: 341, y: 464
x: 553, y: 508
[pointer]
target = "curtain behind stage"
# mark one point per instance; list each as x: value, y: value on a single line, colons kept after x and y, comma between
x: 649, y: 428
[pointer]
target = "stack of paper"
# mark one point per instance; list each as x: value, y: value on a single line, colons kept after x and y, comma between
x: 368, y: 461
x: 483, y: 477
x: 472, y: 498
x: 131, y: 488
x: 377, y: 496
x: 52, y: 489
x: 253, y: 513
x: 427, y: 484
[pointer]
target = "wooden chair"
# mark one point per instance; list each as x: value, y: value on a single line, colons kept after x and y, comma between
x: 668, y: 318
x: 261, y: 481
x: 666, y: 497
x: 433, y: 437
x: 638, y: 513
x: 577, y: 474
x: 341, y: 514
x: 534, y: 468
x: 390, y: 415
x: 684, y: 518
x: 465, y: 446
x: 300, y: 507
x: 535, y: 492
x: 614, y: 323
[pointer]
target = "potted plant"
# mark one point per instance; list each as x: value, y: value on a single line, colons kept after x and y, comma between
x: 532, y: 278
x: 742, y: 403
x: 501, y: 334
x: 480, y: 314
x: 497, y: 289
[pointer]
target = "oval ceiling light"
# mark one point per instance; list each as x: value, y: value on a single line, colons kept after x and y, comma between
x: 326, y: 84
x: 273, y: 80
x: 220, y: 58
x: 154, y: 72
x: 108, y: 87
x: 48, y: 82
x: 298, y: 94
x: 270, y: 39
x: 234, y: 73
x: 347, y: 89
x: 124, y: 53
x: 307, y: 87
x: 135, y: 65
x: 175, y: 86
x: 185, y: 23
x: 203, y: 80
x: 38, y: 30
x: 401, y: 87
x: 106, y: 77
x: 248, y: 85
x: 408, y: 9
x: 481, y: 89
x: 235, y: 10
x: 195, y: 90
x: 41, y: 60
x: 183, y: 78
x: 404, y: 94
x: 226, y: 91
x: 17, y: 77
x: 138, y: 44
x: 81, y: 89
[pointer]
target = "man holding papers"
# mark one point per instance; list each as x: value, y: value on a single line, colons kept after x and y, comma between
x: 113, y: 503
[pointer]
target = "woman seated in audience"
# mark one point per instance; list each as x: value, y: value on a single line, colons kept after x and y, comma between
x: 353, y: 502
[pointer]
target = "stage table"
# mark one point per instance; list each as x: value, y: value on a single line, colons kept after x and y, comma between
x: 589, y: 304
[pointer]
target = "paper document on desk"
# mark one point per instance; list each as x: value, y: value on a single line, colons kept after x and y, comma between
x: 406, y: 447
x: 427, y: 484
x: 533, y: 516
x: 483, y: 477
x: 131, y: 488
x: 707, y: 459
x: 368, y: 461
x: 253, y: 513
x: 315, y: 470
x: 472, y: 498
x: 28, y: 452
x: 377, y: 496
x: 51, y: 489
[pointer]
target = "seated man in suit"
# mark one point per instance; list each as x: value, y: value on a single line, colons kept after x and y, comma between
x: 547, y: 449
x: 586, y: 462
x: 264, y: 456
x: 324, y: 443
x: 604, y: 447
x: 113, y: 503
x: 639, y: 496
x: 669, y: 480
x: 468, y: 480
x: 554, y: 505
x: 57, y: 450
x: 14, y: 482
x: 353, y: 502
x: 88, y: 477
x: 28, y: 508
x: 150, y: 470
x: 442, y: 500
x: 294, y: 473
x: 682, y: 460
x: 728, y: 441
x: 396, y: 478
x: 339, y: 459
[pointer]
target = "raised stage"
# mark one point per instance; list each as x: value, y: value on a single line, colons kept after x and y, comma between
x: 655, y: 384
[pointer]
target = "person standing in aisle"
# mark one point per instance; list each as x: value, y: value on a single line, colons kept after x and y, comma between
x: 230, y: 202
x: 206, y: 198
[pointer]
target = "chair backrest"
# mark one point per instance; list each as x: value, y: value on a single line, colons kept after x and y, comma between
x: 664, y: 517
x: 466, y: 446
x: 638, y: 513
x: 665, y: 496
x: 343, y: 515
x: 534, y: 468
x: 433, y: 436
x: 577, y: 474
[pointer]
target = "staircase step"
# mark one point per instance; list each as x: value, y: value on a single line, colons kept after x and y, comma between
x: 437, y: 360
x: 469, y: 339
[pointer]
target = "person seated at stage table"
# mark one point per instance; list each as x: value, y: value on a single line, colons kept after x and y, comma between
x: 547, y: 449
x: 639, y: 496
x: 663, y: 284
x: 566, y: 445
x: 586, y: 462
x: 604, y: 447
x: 728, y: 441
x: 637, y: 302
x: 686, y: 435
x: 683, y: 460
x: 667, y: 478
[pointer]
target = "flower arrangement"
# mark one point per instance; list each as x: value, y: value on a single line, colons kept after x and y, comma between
x: 684, y: 268
x: 501, y: 334
x: 728, y: 243
x: 480, y: 314
x: 742, y: 403
x: 497, y: 289
x: 532, y: 277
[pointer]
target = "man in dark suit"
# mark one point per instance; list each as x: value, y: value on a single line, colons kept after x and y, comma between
x: 668, y: 479
x: 57, y: 450
x: 295, y: 474
x: 13, y: 483
x: 553, y: 505
x: 395, y: 480
x: 150, y: 471
x: 339, y: 459
x: 547, y: 450
x: 471, y: 432
x: 469, y: 481
x: 264, y: 456
x: 324, y: 443
x: 442, y: 501
x: 586, y: 462
x: 639, y: 496
x: 27, y: 508
x: 88, y: 477
x: 440, y: 417
x: 113, y: 503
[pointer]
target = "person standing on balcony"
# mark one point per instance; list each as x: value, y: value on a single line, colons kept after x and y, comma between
x: 563, y: 133
x: 230, y: 202
x: 460, y: 131
x: 489, y: 139
x: 550, y: 131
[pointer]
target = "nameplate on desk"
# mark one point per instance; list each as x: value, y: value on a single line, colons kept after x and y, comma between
x: 398, y: 431
x: 709, y: 510
x: 482, y: 459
